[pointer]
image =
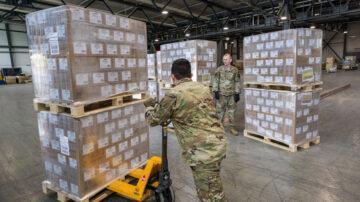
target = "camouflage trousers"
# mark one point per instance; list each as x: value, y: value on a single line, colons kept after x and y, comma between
x: 208, y: 182
x: 226, y: 103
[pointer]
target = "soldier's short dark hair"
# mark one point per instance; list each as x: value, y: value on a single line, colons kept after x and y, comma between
x: 181, y: 68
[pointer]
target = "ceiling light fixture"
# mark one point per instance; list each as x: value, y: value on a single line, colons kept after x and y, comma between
x: 187, y: 34
x: 164, y: 12
x: 227, y: 38
x: 345, y: 32
x: 226, y: 28
x: 312, y: 27
x: 156, y: 40
x: 283, y: 18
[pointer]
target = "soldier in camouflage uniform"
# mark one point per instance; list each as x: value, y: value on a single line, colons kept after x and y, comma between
x: 190, y: 107
x: 227, y: 89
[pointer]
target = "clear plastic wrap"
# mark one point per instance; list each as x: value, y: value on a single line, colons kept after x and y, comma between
x: 151, y: 66
x: 200, y: 53
x: 158, y: 64
x: 78, y: 55
x: 85, y: 154
x: 153, y: 88
x: 289, y: 117
x: 288, y: 57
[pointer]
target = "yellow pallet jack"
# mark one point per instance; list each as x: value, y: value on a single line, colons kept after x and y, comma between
x: 154, y: 177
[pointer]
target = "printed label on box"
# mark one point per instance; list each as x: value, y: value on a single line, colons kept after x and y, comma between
x: 86, y: 121
x: 279, y: 44
x: 61, y: 159
x: 74, y: 189
x: 260, y: 63
x: 63, y: 184
x: 126, y: 75
x: 119, y: 63
x: 104, y: 34
x: 79, y: 47
x: 109, y: 128
x: 130, y: 37
x: 268, y: 62
x: 290, y: 43
x: 255, y: 55
x: 264, y: 71
x: 57, y: 170
x: 71, y: 136
x: 51, y: 62
x: 44, y: 47
x: 116, y: 137
x: 113, y: 76
x: 88, y: 148
x: 89, y: 173
x: 97, y: 48
x: 269, y: 45
x: 255, y: 38
x: 123, y: 146
x: 274, y: 111
x: 259, y: 46
x: 129, y: 110
x: 77, y: 14
x: 111, y: 49
x: 124, y: 23
x: 124, y: 49
x: 118, y: 36
x: 54, y: 93
x: 54, y: 46
x: 129, y: 154
x: 305, y: 128
x: 307, y: 74
x: 120, y: 88
x: 63, y: 64
x: 105, y: 63
x: 141, y: 39
x: 274, y: 54
x: 279, y: 62
x: 103, y: 142
x: 95, y: 17
x: 289, y: 61
x: 98, y: 78
x: 129, y: 132
x: 110, y: 20
x: 134, y: 141
x: 274, y: 35
x: 274, y: 71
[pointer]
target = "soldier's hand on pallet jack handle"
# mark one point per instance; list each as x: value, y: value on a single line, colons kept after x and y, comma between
x: 150, y: 102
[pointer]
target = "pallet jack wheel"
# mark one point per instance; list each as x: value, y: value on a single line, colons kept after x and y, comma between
x: 167, y: 196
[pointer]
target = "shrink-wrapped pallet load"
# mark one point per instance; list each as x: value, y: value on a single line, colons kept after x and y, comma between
x: 200, y: 53
x: 78, y: 55
x: 289, y: 57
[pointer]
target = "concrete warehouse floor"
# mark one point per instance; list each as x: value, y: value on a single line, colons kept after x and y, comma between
x: 252, y: 170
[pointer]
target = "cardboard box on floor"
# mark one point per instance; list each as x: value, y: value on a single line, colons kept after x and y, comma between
x: 78, y: 55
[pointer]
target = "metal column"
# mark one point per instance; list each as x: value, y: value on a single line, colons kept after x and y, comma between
x: 8, y: 37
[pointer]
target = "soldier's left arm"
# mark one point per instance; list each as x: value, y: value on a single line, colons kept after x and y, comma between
x: 162, y: 111
x: 237, y: 82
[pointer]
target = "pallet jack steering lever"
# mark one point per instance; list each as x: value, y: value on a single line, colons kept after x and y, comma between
x: 163, y: 191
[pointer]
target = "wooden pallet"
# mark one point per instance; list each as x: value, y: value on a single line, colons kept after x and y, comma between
x: 87, y: 109
x: 272, y: 86
x: 165, y: 85
x: 281, y: 145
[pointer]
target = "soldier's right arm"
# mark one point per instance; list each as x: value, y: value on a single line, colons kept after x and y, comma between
x: 215, y: 85
x: 162, y: 111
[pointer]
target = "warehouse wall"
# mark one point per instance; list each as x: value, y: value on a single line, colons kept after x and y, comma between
x: 352, y: 42
x: 19, y: 49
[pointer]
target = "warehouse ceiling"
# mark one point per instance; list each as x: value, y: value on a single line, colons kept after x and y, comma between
x: 207, y: 19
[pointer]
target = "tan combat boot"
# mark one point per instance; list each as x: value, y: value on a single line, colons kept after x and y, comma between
x: 234, y: 131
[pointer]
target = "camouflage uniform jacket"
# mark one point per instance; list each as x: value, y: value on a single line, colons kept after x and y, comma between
x: 190, y: 107
x: 227, y: 81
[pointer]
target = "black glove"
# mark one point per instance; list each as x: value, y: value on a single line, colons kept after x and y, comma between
x: 150, y: 102
x: 237, y: 97
x: 217, y: 95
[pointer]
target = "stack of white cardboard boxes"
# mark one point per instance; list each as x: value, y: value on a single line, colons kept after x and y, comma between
x: 287, y: 60
x: 79, y: 56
